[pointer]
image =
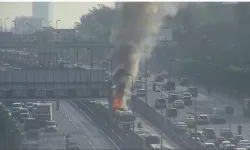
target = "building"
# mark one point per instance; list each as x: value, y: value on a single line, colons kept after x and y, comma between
x: 118, y: 5
x: 42, y: 10
x: 27, y: 25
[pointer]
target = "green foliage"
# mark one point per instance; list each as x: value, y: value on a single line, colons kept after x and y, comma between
x: 97, y: 22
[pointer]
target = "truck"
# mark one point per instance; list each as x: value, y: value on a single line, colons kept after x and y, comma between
x: 123, y: 119
x: 246, y: 107
x: 148, y: 139
x: 43, y: 113
x: 29, y: 145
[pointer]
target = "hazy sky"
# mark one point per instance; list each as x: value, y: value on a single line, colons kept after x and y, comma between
x: 67, y: 12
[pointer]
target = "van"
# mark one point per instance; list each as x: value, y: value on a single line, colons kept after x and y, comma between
x: 193, y: 90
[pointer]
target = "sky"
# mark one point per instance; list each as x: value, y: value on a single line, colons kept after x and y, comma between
x: 67, y: 12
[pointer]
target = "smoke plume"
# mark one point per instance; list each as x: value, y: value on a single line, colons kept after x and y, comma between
x: 133, y: 38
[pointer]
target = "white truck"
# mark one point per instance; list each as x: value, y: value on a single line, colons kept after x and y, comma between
x: 123, y: 119
x: 44, y: 113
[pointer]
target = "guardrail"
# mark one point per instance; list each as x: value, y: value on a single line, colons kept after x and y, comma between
x: 167, y: 127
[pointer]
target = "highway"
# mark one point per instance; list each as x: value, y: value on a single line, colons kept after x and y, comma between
x: 81, y: 128
x: 204, y: 103
x: 146, y: 124
x: 72, y: 122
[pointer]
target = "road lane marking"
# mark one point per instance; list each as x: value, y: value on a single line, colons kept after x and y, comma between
x: 78, y: 129
x: 98, y: 126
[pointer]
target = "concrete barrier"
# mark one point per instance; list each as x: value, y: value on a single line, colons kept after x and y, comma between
x: 100, y: 114
x: 149, y: 113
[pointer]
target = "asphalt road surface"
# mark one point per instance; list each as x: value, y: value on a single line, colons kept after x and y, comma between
x: 204, y: 103
x: 81, y: 128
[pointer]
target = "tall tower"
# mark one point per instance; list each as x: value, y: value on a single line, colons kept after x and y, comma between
x: 42, y: 10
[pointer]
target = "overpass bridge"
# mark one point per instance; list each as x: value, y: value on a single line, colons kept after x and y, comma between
x: 53, y: 44
x: 73, y: 83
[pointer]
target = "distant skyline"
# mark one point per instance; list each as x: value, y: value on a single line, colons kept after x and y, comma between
x: 67, y: 12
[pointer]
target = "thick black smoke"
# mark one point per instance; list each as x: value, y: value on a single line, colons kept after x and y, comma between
x: 138, y: 27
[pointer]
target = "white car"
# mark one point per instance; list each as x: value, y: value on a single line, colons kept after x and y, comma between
x: 224, y: 144
x: 50, y: 126
x: 16, y: 105
x: 179, y: 104
x: 209, y: 146
x: 243, y: 143
x: 187, y: 94
x: 203, y: 119
x: 141, y: 92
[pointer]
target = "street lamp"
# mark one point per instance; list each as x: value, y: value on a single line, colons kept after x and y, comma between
x: 57, y: 23
x: 111, y: 70
x: 5, y: 24
x: 129, y: 74
x: 1, y: 25
x: 29, y: 27
x: 41, y: 23
x: 14, y: 22
x: 132, y: 107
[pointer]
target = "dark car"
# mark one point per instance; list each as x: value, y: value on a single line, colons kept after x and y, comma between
x: 172, y: 98
x: 210, y: 133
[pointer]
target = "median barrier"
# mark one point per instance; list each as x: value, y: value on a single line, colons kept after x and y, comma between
x: 154, y: 117
x: 100, y: 114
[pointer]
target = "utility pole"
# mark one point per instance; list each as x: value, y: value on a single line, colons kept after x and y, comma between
x: 146, y: 80
x: 195, y: 117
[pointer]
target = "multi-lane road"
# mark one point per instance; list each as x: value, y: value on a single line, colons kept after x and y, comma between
x: 70, y: 121
x: 204, y: 104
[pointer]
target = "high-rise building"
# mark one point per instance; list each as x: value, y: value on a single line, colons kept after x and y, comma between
x: 42, y: 10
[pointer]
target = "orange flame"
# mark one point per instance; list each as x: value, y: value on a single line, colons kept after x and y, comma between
x: 117, y: 103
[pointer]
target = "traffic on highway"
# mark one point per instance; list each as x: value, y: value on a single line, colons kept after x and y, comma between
x: 218, y: 125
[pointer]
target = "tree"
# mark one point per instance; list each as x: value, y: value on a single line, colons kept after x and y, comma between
x: 98, y: 22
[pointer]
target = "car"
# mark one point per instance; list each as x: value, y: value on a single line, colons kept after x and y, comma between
x: 227, y: 133
x: 200, y: 135
x: 184, y: 82
x: 50, y: 126
x: 23, y: 117
x: 237, y: 138
x: 72, y: 145
x: 157, y: 89
x: 158, y: 103
x: 218, y: 141
x: 193, y: 90
x: 16, y: 105
x: 173, y: 97
x: 179, y: 104
x: 190, y: 121
x: 29, y: 106
x: 203, y: 119
x: 181, y: 127
x: 230, y: 147
x: 187, y: 94
x: 22, y: 110
x: 224, y: 144
x: 210, y: 133
x: 141, y: 92
x: 187, y: 100
x: 243, y: 143
x: 209, y: 146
